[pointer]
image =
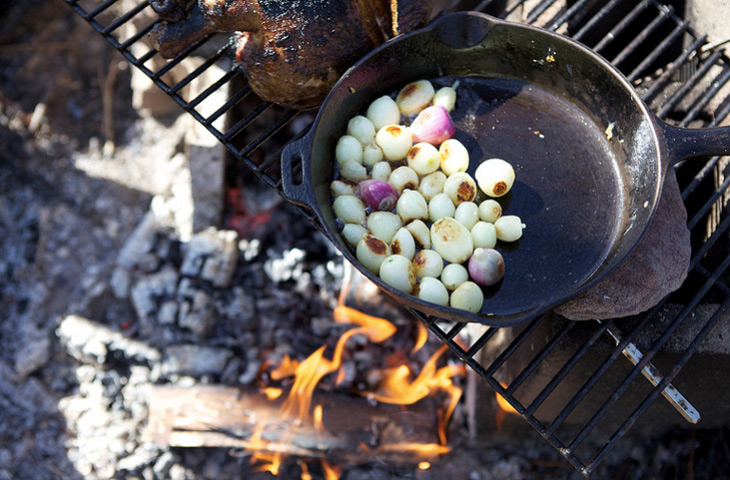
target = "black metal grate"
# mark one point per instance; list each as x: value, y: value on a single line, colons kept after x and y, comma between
x: 678, y: 76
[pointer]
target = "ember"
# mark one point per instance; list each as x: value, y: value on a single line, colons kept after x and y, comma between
x: 395, y: 387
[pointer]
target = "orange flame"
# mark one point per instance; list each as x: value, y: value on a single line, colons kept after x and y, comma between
x: 396, y: 388
x: 505, y: 408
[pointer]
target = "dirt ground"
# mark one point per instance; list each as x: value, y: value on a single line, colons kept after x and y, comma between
x: 79, y: 169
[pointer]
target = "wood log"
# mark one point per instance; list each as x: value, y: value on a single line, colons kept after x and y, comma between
x: 351, y: 429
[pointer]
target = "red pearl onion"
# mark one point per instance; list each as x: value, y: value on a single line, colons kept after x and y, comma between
x: 486, y: 266
x: 433, y: 125
x: 377, y: 194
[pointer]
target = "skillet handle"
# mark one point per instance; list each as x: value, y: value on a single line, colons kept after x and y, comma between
x: 296, y: 180
x: 685, y: 143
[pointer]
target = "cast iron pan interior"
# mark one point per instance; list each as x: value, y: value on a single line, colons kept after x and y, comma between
x: 583, y: 145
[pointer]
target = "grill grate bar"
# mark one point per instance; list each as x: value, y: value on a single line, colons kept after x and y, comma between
x: 622, y: 25
x: 565, y: 370
x: 648, y: 357
x: 539, y: 358
x: 202, y: 68
x: 597, y: 374
x: 628, y: 423
x: 141, y: 33
x: 664, y: 13
x: 481, y: 342
x: 215, y: 86
x: 596, y: 20
x: 512, y: 347
x: 707, y: 95
x: 538, y: 10
x: 101, y: 8
x: 678, y: 31
x: 682, y: 92
x: 669, y: 72
x: 571, y: 12
x: 124, y: 18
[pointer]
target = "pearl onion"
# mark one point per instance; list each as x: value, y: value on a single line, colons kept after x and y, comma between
x: 361, y: 128
x: 440, y: 206
x: 451, y: 240
x: 454, y: 156
x: 428, y: 263
x: 397, y: 271
x: 432, y: 290
x: 453, y: 275
x: 348, y: 148
x: 467, y: 296
x: 412, y: 206
x: 495, y: 177
x: 349, y: 209
x: 394, y: 141
x: 383, y: 111
x: 384, y: 225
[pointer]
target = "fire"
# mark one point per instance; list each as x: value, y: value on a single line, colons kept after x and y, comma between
x: 505, y: 409
x: 396, y: 387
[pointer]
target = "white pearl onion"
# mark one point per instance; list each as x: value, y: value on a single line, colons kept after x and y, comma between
x: 371, y: 154
x: 349, y: 209
x: 421, y: 233
x: 361, y: 128
x: 453, y: 275
x: 451, y: 240
x: 509, y: 228
x: 384, y: 225
x: 338, y: 187
x: 353, y: 171
x: 495, y: 177
x: 353, y: 232
x: 411, y: 206
x: 445, y: 97
x: 403, y: 243
x: 423, y: 158
x: 428, y: 263
x: 484, y: 235
x: 440, y: 206
x: 403, y: 178
x: 432, y: 184
x: 414, y: 97
x: 432, y: 290
x: 348, y: 148
x: 383, y: 111
x: 381, y: 171
x: 490, y: 210
x: 371, y: 251
x: 394, y: 141
x: 397, y: 271
x: 460, y: 187
x: 467, y: 296
x: 454, y: 156
x: 467, y: 213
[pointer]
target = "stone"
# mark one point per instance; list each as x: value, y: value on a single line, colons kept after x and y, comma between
x: 195, y: 360
x: 32, y: 356
x: 212, y: 254
x: 656, y: 267
x: 90, y: 342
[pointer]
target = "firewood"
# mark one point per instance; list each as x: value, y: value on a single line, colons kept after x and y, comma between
x: 351, y: 429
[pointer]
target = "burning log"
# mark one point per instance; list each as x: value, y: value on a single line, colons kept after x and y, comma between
x: 342, y: 428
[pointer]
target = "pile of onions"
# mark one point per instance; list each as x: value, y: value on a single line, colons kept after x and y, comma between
x: 408, y: 207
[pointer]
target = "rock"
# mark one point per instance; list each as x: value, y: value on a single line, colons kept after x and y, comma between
x: 90, y: 342
x: 212, y: 254
x: 657, y: 266
x: 196, y: 309
x: 32, y: 356
x: 195, y: 360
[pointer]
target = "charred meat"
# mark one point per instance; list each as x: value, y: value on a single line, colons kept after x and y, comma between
x: 292, y: 51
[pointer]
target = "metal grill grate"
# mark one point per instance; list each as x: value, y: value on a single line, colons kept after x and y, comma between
x: 681, y: 79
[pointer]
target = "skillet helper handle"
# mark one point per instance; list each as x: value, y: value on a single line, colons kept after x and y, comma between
x: 683, y: 143
x: 296, y: 181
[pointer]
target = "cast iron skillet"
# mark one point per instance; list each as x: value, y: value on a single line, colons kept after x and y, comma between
x: 590, y: 157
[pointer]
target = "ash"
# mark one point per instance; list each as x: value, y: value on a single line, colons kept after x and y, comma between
x: 113, y: 280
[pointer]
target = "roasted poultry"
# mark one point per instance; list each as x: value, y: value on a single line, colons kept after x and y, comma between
x: 292, y: 52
